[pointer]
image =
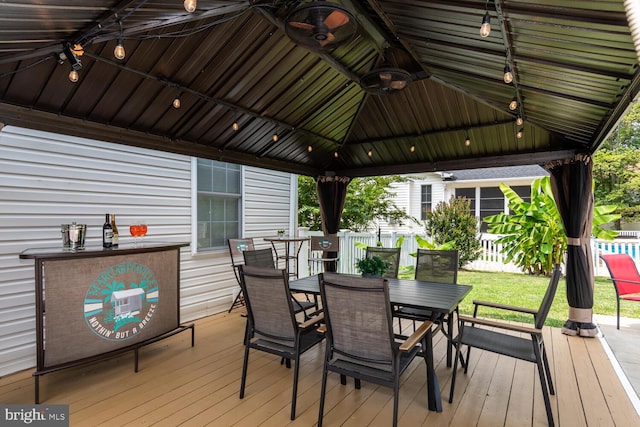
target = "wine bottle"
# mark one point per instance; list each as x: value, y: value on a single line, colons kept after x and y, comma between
x: 107, y: 233
x: 116, y: 235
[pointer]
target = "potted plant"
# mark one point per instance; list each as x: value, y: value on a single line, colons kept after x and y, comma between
x: 281, y: 233
x: 372, y: 267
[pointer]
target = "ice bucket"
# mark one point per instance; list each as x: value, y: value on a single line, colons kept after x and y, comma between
x: 73, y: 236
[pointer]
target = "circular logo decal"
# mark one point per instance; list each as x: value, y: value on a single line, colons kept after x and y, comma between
x: 121, y: 301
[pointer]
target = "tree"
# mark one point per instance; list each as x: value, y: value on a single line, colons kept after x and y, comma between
x: 533, y: 236
x: 616, y: 170
x: 368, y: 200
x: 453, y: 222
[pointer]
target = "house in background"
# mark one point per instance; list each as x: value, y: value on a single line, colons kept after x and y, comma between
x: 424, y: 191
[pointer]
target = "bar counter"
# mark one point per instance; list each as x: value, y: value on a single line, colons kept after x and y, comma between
x: 101, y: 302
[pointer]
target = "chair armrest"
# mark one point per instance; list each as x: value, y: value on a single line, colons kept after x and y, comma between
x: 499, y: 324
x: 415, y: 337
x: 478, y: 303
x: 633, y: 282
x: 313, y: 321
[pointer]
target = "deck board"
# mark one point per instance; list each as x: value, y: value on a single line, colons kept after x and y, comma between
x: 182, y: 385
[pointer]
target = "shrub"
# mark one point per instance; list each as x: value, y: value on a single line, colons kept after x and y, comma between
x: 453, y: 222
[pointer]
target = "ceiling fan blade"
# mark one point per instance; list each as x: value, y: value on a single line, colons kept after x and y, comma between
x: 301, y: 25
x: 398, y: 84
x: 336, y: 19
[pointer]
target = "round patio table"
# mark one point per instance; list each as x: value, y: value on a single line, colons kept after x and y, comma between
x: 292, y: 247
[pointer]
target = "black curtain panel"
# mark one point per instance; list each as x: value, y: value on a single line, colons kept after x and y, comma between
x: 571, y: 182
x: 332, y: 192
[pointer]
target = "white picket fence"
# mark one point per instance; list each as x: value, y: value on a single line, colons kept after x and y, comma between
x: 491, y: 258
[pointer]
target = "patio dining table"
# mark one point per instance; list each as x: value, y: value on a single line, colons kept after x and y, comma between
x: 439, y: 298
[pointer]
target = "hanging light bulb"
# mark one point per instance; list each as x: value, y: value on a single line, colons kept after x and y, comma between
x: 508, y: 75
x: 519, y: 120
x: 190, y: 5
x: 309, y: 148
x: 235, y: 126
x: 412, y: 148
x: 485, y: 28
x: 275, y: 137
x: 335, y: 154
x: 176, y: 102
x: 119, y: 52
x: 369, y: 153
x: 513, y: 104
x: 467, y: 141
x: 520, y: 133
x: 73, y: 76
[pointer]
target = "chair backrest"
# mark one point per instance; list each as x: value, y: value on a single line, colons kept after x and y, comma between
x: 389, y: 255
x: 237, y: 247
x: 549, y: 295
x: 357, y: 313
x: 437, y: 266
x: 259, y: 258
x: 623, y: 272
x: 325, y: 243
x: 269, y: 307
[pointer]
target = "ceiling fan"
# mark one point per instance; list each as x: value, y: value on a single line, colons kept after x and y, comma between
x: 320, y: 25
x: 385, y: 80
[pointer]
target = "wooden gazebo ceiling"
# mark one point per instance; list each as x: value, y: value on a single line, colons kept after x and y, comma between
x: 574, y: 63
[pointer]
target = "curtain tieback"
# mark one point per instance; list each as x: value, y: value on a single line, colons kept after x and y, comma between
x: 574, y: 241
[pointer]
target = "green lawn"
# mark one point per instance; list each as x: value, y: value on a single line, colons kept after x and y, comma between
x: 527, y: 291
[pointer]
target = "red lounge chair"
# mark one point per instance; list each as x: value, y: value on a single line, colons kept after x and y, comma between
x: 625, y: 277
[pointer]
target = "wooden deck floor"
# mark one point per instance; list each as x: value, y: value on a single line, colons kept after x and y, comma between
x: 181, y: 385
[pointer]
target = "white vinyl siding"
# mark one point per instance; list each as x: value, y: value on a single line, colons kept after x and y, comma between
x: 47, y: 180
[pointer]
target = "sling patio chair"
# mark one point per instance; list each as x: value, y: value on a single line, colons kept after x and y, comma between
x: 324, y: 253
x: 360, y: 339
x: 264, y: 258
x: 439, y: 266
x: 509, y: 339
x: 271, y: 322
x: 625, y: 277
x: 236, y: 248
x: 389, y: 255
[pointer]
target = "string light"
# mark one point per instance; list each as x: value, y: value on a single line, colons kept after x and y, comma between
x: 335, y: 154
x: 73, y: 76
x: 519, y: 120
x: 513, y: 104
x: 485, y: 28
x: 119, y: 52
x: 369, y: 153
x: 520, y: 133
x: 235, y: 126
x: 190, y: 5
x: 176, y: 102
x: 467, y: 141
x: 309, y: 148
x: 412, y: 148
x: 508, y: 75
x: 275, y: 137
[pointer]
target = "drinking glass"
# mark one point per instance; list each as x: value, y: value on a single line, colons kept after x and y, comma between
x: 138, y: 229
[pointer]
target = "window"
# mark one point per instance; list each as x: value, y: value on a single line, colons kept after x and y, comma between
x: 218, y: 203
x: 425, y: 201
x: 469, y: 194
